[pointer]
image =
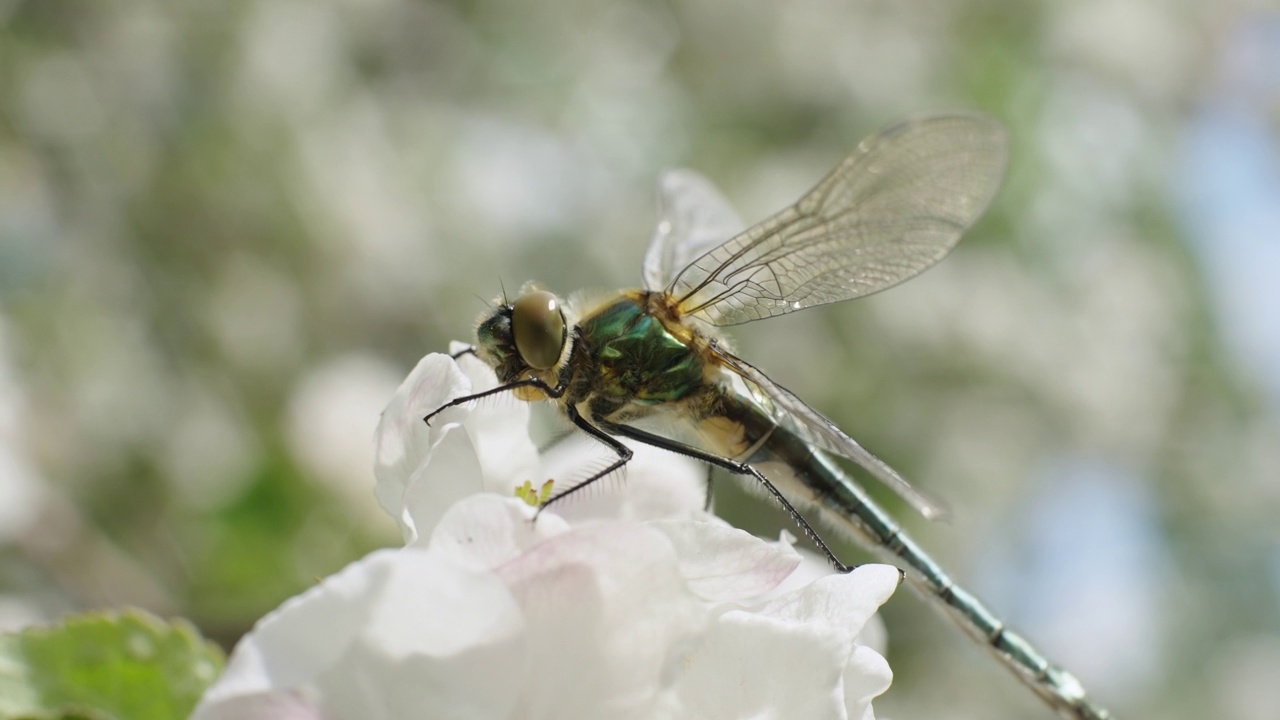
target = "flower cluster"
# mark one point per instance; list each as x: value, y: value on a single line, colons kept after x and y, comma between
x: 629, y: 604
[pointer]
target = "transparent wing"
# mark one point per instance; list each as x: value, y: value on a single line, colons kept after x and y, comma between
x: 893, y: 208
x: 693, y: 218
x: 792, y: 413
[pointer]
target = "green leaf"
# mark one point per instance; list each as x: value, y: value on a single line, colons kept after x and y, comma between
x: 105, y: 666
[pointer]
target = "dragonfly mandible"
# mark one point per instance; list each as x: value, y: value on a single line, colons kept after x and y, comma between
x: 650, y: 364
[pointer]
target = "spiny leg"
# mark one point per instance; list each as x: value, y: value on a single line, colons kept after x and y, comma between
x: 552, y: 392
x: 623, y: 452
x: 733, y: 466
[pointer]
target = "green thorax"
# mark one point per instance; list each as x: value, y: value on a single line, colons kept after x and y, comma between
x: 635, y: 358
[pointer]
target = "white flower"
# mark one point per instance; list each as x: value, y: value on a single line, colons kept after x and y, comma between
x: 656, y: 611
x: 485, y: 447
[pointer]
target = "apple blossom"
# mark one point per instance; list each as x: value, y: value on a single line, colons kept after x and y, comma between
x: 634, y: 603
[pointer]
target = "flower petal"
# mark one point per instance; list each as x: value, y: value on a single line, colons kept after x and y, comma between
x: 486, y: 531
x: 402, y: 440
x: 656, y: 483
x: 499, y: 428
x: 448, y: 473
x: 632, y: 603
x: 723, y: 563
x: 397, y: 630
x: 272, y: 705
x: 609, y: 620
x: 866, y: 677
x: 814, y: 669
x: 755, y: 666
x: 480, y: 446
x: 844, y: 601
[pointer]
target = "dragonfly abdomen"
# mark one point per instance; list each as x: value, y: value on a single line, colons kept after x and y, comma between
x: 796, y: 467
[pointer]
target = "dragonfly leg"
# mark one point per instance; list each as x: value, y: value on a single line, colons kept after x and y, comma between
x: 623, y: 452
x: 468, y: 350
x: 733, y: 466
x: 552, y: 392
x: 624, y: 456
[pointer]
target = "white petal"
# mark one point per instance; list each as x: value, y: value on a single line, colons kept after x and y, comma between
x: 811, y: 565
x: 439, y: 638
x: 866, y: 677
x: 402, y: 440
x: 396, y: 627
x: 843, y: 601
x: 655, y: 484
x: 616, y: 606
x: 499, y: 428
x: 486, y: 531
x: 480, y: 446
x: 449, y: 473
x: 723, y: 563
x: 753, y: 666
x: 609, y: 620
x: 273, y: 705
x: 796, y: 655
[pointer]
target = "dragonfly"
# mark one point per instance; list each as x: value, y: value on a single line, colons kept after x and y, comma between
x: 651, y: 365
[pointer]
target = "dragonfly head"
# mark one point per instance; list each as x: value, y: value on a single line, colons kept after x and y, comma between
x: 528, y: 334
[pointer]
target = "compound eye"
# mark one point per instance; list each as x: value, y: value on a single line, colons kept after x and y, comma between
x: 538, y: 326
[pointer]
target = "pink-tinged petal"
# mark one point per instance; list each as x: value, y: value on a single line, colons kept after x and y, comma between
x: 811, y: 565
x: 486, y: 531
x: 722, y: 563
x: 609, y: 618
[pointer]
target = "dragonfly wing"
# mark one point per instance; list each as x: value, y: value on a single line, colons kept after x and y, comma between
x: 693, y: 218
x: 890, y: 210
x: 795, y: 415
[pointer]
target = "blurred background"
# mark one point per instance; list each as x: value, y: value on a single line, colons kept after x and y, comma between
x: 227, y: 231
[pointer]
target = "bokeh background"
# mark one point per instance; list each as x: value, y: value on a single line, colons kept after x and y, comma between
x: 228, y: 229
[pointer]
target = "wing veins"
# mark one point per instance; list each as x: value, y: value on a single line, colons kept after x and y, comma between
x: 768, y: 232
x: 887, y: 212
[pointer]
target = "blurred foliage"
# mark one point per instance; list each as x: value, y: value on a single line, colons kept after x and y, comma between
x: 104, y: 666
x: 227, y: 229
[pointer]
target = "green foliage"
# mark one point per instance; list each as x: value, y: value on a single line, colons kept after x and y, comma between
x: 105, y: 666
